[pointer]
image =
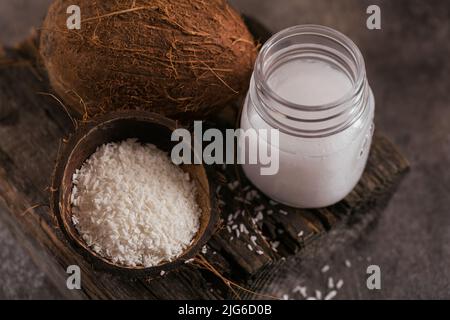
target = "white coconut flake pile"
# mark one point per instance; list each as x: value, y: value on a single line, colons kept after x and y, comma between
x: 132, y: 205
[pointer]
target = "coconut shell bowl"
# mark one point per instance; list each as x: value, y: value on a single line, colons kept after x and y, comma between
x: 118, y: 126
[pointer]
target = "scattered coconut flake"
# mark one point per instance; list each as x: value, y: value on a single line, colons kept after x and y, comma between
x: 233, y: 185
x: 243, y: 228
x: 259, y: 252
x: 300, y: 234
x: 283, y: 212
x: 259, y: 208
x: 74, y: 219
x: 240, y: 199
x: 318, y: 295
x: 300, y: 289
x: 162, y: 273
x: 339, y: 284
x: 330, y: 283
x: 285, y: 297
x: 348, y: 264
x: 259, y: 216
x: 331, y: 295
x: 251, y: 195
x: 275, y: 245
x: 204, y: 249
x: 325, y: 268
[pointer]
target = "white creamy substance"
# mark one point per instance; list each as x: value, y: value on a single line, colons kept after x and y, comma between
x: 314, y: 172
x: 309, y: 82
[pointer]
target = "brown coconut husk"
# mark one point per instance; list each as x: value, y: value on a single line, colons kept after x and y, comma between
x: 178, y: 58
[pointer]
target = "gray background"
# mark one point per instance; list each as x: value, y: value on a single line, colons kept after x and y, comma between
x: 408, y: 68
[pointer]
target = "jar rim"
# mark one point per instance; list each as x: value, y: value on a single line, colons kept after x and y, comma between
x: 316, y: 30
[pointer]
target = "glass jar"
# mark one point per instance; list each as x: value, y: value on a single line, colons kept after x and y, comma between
x: 310, y: 83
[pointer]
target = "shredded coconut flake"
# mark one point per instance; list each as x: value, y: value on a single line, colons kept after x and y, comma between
x: 259, y: 216
x: 301, y: 290
x: 325, y: 268
x: 318, y: 295
x: 330, y: 283
x: 132, y: 205
x: 331, y: 295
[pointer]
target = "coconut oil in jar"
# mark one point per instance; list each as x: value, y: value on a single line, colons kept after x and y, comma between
x: 310, y: 83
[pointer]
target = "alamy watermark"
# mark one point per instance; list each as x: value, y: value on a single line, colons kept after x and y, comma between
x: 73, y: 281
x: 251, y: 146
x: 73, y: 22
x: 374, y: 20
x: 374, y: 280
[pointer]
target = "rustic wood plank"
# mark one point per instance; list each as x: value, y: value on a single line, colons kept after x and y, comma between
x: 31, y: 128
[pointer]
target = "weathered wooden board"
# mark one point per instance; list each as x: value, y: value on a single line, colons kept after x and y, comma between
x: 32, y: 126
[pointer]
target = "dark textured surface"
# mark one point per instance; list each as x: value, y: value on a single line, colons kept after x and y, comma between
x: 408, y: 69
x: 20, y: 278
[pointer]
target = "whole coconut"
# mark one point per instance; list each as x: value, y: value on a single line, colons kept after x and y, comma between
x: 180, y: 58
